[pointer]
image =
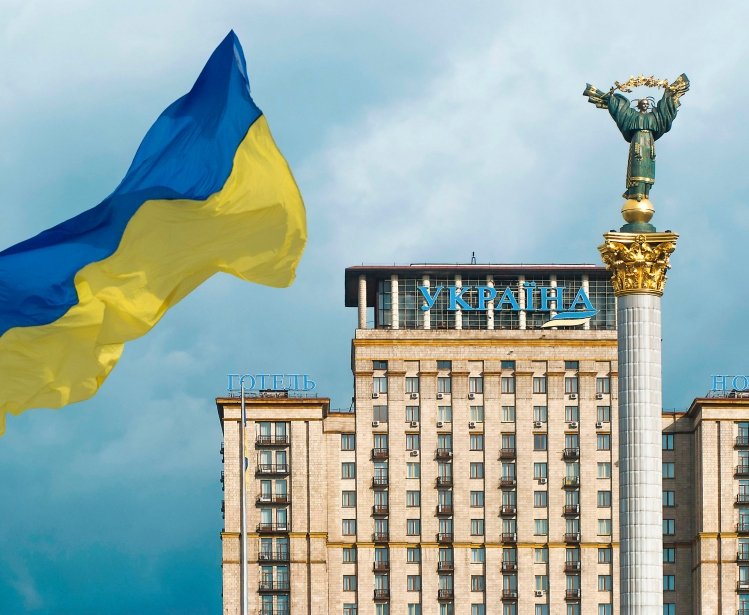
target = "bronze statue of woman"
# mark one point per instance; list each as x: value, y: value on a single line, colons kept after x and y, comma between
x: 640, y: 126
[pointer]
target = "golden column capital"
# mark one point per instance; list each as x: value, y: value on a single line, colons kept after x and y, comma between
x: 638, y: 261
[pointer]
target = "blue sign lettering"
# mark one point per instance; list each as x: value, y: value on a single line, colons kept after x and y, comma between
x: 270, y: 382
x: 723, y: 383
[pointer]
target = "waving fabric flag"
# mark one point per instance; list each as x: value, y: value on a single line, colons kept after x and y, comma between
x: 207, y: 191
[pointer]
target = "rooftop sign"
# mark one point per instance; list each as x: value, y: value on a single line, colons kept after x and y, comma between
x: 270, y: 382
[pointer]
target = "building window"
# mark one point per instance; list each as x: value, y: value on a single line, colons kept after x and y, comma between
x: 412, y: 384
x: 476, y: 414
x: 413, y: 527
x: 348, y: 527
x: 413, y: 583
x: 604, y: 527
x: 605, y: 583
x: 571, y: 365
x: 603, y: 414
x: 669, y: 527
x: 349, y: 582
x: 382, y: 608
x: 380, y: 385
x: 444, y: 384
x: 476, y: 384
x: 508, y: 414
x: 667, y: 440
x: 541, y: 555
x: 541, y: 609
x: 413, y: 498
x: 349, y: 608
x: 668, y: 469
x: 348, y: 470
x: 477, y: 527
x: 573, y: 609
x: 442, y: 364
x: 603, y: 385
x: 412, y: 442
x: 603, y: 441
x: 605, y: 609
x: 478, y: 583
x: 540, y: 413
x: 669, y: 582
x: 445, y: 414
x: 413, y: 555
x: 604, y: 499
x: 348, y: 442
x: 669, y: 499
x: 669, y: 555
x: 477, y: 499
x: 477, y: 442
x: 477, y: 469
x: 380, y: 413
x: 542, y: 583
x: 604, y: 555
x: 508, y: 365
x: 539, y: 384
x: 540, y: 470
x: 540, y: 527
x: 540, y: 499
x: 508, y: 470
x: 379, y: 364
x: 478, y: 555
x: 540, y: 442
x: 414, y: 608
x: 669, y: 608
x: 571, y: 414
x: 348, y: 499
x: 570, y: 385
x: 349, y: 555
x: 412, y: 414
x: 480, y: 608
x: 413, y: 469
x: 604, y: 469
x: 508, y: 384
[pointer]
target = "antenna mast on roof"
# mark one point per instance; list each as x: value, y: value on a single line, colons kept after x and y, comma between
x: 473, y: 258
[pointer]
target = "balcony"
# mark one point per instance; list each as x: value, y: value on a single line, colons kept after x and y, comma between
x: 444, y: 481
x: 742, y: 498
x: 509, y: 566
x: 509, y: 537
x: 272, y: 528
x: 445, y: 566
x: 571, y: 482
x: 572, y: 566
x: 510, y: 595
x: 742, y: 469
x: 571, y: 510
x: 381, y: 566
x: 742, y: 441
x: 572, y: 537
x: 269, y: 498
x: 380, y: 536
x: 380, y: 453
x: 508, y: 510
x: 742, y: 586
x: 444, y: 453
x: 742, y: 556
x: 379, y: 482
x: 508, y: 482
x: 279, y: 555
x: 445, y: 594
x: 269, y: 585
x: 572, y: 594
x: 571, y: 453
x: 277, y: 440
x: 380, y: 509
x: 444, y: 510
x: 272, y: 468
x: 507, y: 453
x: 742, y: 527
x: 444, y: 537
x: 382, y: 594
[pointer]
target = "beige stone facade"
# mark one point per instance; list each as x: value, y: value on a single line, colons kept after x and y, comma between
x: 478, y: 474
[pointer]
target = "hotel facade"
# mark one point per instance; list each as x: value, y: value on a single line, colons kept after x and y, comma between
x: 477, y: 470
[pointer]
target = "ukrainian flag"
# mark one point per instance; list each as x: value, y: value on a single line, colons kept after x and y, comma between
x: 208, y: 191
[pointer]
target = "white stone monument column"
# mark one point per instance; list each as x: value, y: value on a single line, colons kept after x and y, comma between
x: 638, y: 263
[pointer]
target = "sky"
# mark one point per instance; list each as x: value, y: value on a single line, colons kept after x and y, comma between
x: 418, y: 132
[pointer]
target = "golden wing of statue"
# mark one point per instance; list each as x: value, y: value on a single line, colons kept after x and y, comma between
x: 679, y: 87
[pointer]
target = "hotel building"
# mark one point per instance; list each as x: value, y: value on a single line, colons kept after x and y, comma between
x: 477, y: 472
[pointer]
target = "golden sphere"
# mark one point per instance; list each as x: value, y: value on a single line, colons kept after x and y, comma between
x: 637, y: 211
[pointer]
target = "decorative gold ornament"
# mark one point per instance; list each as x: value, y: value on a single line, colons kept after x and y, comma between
x: 637, y: 211
x: 638, y: 262
x: 633, y: 82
